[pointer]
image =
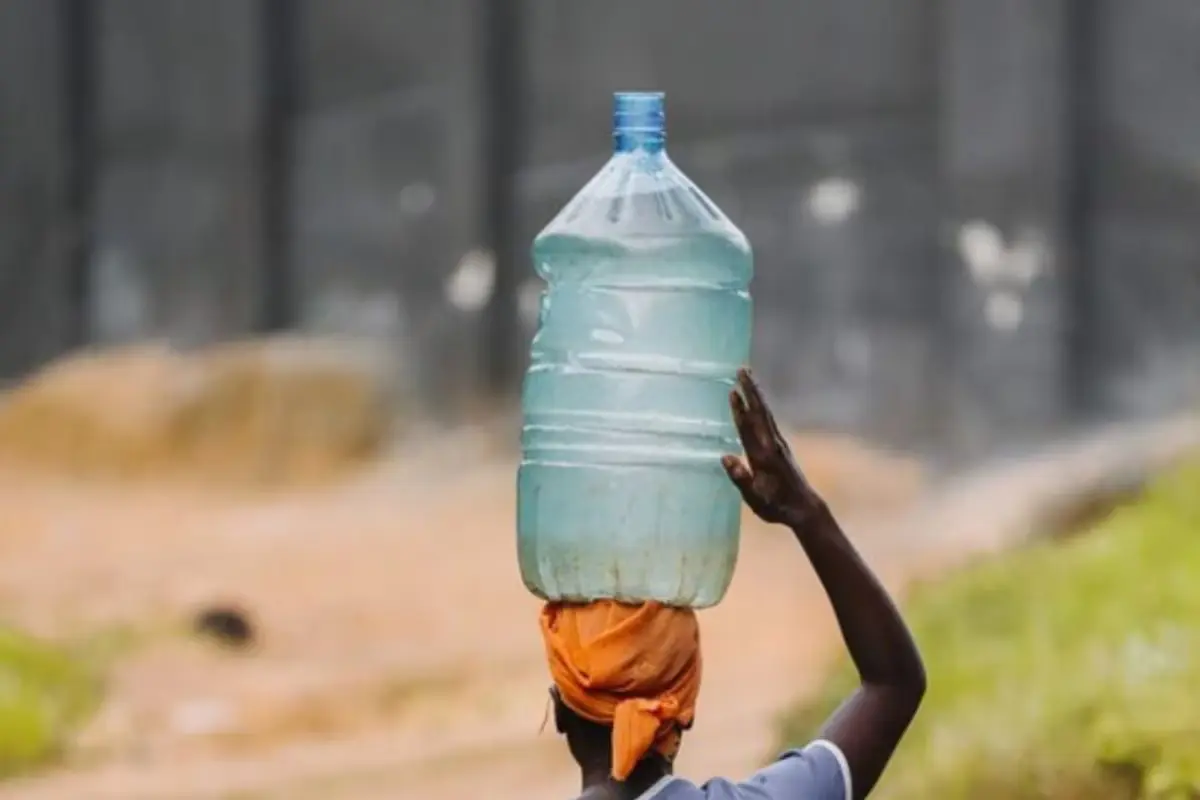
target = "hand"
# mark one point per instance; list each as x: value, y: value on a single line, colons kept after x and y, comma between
x: 771, y: 483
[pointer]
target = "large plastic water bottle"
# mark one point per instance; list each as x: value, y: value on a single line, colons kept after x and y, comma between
x: 645, y: 319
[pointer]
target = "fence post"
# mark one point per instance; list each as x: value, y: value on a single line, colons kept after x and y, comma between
x: 1082, y: 74
x: 504, y: 88
x: 38, y: 230
x: 79, y: 81
x: 279, y: 73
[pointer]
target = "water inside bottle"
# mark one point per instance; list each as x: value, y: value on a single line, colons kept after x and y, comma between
x: 645, y: 319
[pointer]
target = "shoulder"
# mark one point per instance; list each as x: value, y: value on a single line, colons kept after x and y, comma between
x: 816, y: 772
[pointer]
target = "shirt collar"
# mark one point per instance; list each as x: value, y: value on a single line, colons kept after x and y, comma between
x: 657, y: 788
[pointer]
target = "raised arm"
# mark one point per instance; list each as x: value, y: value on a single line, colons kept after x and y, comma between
x: 871, y: 722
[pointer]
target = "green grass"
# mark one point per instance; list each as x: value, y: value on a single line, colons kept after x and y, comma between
x: 1069, y: 669
x: 45, y: 692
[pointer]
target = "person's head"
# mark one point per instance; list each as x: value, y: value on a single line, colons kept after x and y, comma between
x: 591, y: 745
x: 626, y: 679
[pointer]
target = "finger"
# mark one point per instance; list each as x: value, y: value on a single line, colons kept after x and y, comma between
x: 741, y: 420
x: 757, y: 405
x: 739, y: 473
x: 737, y: 404
x: 756, y: 411
x: 754, y: 400
x: 749, y: 434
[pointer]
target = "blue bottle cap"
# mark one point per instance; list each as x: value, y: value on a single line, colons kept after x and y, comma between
x: 639, y: 121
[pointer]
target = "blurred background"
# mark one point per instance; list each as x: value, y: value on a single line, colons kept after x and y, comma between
x: 265, y: 300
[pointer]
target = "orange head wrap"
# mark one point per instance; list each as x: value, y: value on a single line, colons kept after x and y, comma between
x: 636, y: 668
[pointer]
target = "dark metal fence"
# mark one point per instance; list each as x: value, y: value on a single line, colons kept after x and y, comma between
x: 973, y: 221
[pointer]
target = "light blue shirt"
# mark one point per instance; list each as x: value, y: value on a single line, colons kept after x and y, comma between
x: 816, y: 772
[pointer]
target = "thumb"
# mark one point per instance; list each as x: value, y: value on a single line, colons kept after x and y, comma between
x: 740, y: 474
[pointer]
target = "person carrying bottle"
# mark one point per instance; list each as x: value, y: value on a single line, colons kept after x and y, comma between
x: 626, y: 678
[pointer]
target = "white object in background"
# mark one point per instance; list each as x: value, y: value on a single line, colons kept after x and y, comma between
x: 471, y: 284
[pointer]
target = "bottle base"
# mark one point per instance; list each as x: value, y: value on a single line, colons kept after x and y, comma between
x: 640, y: 534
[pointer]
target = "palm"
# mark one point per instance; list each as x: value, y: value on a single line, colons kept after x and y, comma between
x: 769, y: 480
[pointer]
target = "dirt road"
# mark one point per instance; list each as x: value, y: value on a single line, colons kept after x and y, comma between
x: 399, y: 655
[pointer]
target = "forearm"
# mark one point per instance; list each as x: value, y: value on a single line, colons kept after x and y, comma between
x: 869, y: 725
x: 876, y: 636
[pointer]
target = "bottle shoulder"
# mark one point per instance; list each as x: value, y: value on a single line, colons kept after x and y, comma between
x: 642, y: 203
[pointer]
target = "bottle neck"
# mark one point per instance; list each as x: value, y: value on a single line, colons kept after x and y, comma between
x: 639, y: 122
x: 632, y: 140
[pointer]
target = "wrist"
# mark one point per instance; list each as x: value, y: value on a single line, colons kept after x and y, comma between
x: 807, y: 514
